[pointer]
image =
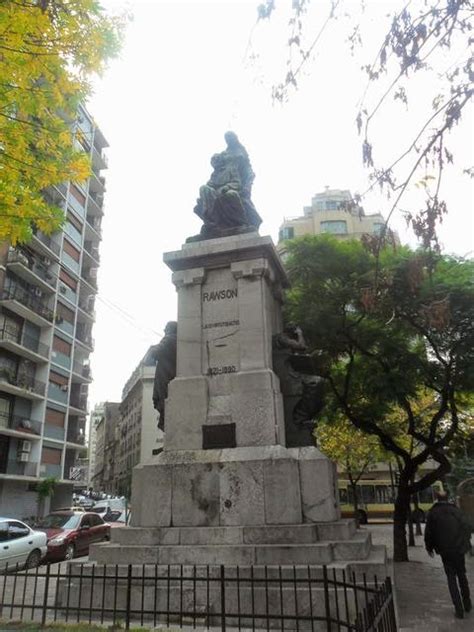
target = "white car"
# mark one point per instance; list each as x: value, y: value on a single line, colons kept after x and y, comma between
x: 20, y: 545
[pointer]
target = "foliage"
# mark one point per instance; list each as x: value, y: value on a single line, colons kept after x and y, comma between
x: 424, y: 57
x: 49, y: 50
x: 45, y: 488
x: 395, y: 331
x: 351, y: 449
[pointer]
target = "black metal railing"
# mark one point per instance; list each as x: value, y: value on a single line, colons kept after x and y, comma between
x: 24, y: 340
x: 276, y: 597
x: 47, y: 241
x: 17, y: 256
x: 21, y: 424
x: 17, y: 293
x: 21, y: 380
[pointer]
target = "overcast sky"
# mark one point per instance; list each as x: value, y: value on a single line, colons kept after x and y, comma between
x: 183, y: 78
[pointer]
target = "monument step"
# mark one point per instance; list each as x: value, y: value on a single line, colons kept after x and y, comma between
x: 234, y: 554
x: 270, y: 534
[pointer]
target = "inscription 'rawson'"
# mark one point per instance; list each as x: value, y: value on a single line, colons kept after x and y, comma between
x: 219, y: 295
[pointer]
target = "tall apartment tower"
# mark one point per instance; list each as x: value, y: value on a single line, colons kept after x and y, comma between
x: 333, y: 211
x: 47, y: 294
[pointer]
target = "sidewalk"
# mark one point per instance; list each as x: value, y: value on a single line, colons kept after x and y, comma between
x: 422, y: 596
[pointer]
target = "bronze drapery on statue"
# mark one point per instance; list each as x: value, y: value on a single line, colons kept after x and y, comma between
x: 224, y: 203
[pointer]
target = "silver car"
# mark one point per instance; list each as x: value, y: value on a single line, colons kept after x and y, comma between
x: 20, y: 545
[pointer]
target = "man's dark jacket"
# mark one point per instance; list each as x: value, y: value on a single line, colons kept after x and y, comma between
x: 447, y: 530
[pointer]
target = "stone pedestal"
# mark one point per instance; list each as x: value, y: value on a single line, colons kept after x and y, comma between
x: 226, y: 489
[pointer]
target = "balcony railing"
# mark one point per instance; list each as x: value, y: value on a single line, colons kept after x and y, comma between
x: 16, y: 256
x: 84, y: 336
x: 21, y: 469
x: 79, y: 402
x: 74, y: 436
x: 22, y: 381
x: 92, y: 250
x: 20, y: 424
x: 47, y: 241
x: 17, y: 293
x: 24, y: 340
x: 82, y: 369
x: 94, y: 224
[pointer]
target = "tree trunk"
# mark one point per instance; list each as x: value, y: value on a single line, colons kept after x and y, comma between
x: 400, y: 516
x: 411, y: 533
x: 355, y: 502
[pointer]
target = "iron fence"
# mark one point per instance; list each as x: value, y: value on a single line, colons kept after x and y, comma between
x: 300, y: 598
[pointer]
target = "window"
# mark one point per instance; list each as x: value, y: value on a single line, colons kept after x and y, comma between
x: 288, y: 232
x: 378, y: 227
x: 51, y: 456
x: 17, y: 530
x: 332, y: 205
x: 334, y: 227
x: 55, y: 417
x: 3, y: 531
x: 96, y: 521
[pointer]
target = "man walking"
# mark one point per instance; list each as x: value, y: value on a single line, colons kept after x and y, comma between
x: 448, y: 532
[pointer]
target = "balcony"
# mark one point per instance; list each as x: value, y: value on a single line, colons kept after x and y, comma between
x: 93, y: 228
x: 15, y: 425
x: 99, y: 160
x: 53, y: 432
x: 94, y: 205
x: 78, y: 401
x: 92, y: 249
x: 74, y: 435
x: 89, y: 278
x: 85, y: 338
x: 96, y: 183
x: 15, y: 468
x: 83, y: 371
x: 45, y: 244
x: 33, y: 272
x: 58, y: 393
x: 27, y: 305
x: 21, y: 385
x: 22, y: 344
x: 48, y: 469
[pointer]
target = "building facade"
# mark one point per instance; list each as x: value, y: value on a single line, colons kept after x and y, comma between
x: 47, y: 295
x: 106, y: 418
x: 335, y: 212
x: 139, y: 437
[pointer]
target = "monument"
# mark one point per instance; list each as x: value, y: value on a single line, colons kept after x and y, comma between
x: 231, y: 485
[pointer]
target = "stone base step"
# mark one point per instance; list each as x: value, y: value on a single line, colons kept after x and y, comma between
x: 356, y: 548
x: 271, y: 534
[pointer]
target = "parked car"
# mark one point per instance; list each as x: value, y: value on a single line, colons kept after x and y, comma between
x: 104, y: 507
x: 70, y: 533
x: 117, y: 518
x: 20, y: 544
x: 80, y: 509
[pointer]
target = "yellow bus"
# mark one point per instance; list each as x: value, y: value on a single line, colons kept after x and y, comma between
x: 376, y: 498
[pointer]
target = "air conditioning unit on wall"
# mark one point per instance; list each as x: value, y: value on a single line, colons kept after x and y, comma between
x: 23, y: 457
x: 24, y: 446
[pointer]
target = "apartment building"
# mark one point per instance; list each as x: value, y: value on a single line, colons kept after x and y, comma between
x: 47, y: 295
x: 106, y: 418
x: 139, y: 436
x: 335, y: 212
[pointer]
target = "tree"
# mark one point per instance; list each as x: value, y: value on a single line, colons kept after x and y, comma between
x: 355, y: 452
x: 45, y: 489
x: 389, y: 324
x: 49, y: 50
x: 425, y: 57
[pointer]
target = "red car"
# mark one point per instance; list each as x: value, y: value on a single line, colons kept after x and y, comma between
x: 70, y: 533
